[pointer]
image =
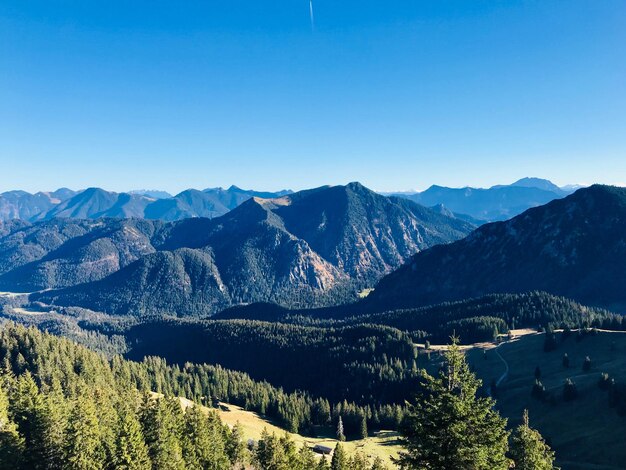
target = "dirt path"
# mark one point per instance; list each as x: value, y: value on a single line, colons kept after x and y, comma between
x: 506, y: 366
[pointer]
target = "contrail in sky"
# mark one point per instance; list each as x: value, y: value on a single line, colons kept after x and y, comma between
x: 311, y: 13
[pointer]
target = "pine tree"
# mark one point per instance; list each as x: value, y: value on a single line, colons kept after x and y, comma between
x: 322, y: 464
x: 41, y: 420
x: 203, y: 442
x: 83, y: 449
x: 306, y: 459
x: 587, y: 364
x: 363, y: 427
x: 131, y: 452
x: 449, y: 427
x: 378, y: 464
x: 11, y: 442
x: 162, y: 434
x: 236, y: 446
x: 566, y: 361
x: 358, y: 461
x: 529, y: 450
x: 339, y: 460
x: 570, y: 392
x: 340, y: 435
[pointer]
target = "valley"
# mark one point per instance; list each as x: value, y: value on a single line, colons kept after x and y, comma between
x: 259, y: 307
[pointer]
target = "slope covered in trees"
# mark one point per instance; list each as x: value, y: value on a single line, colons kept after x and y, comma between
x: 473, y: 320
x: 63, y: 406
x: 573, y: 247
x: 368, y: 364
x: 316, y: 247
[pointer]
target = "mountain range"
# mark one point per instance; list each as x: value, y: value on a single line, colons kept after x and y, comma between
x: 497, y: 203
x: 314, y: 247
x: 573, y: 247
x: 93, y: 203
x: 474, y: 205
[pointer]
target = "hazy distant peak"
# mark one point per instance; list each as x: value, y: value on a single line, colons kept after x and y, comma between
x: 539, y: 183
x: 153, y: 193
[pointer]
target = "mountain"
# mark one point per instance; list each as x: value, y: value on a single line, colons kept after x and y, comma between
x: 492, y: 204
x: 313, y: 247
x: 23, y: 205
x: 65, y: 252
x: 574, y: 247
x: 151, y: 193
x: 94, y: 203
x: 234, y: 196
x: 539, y: 183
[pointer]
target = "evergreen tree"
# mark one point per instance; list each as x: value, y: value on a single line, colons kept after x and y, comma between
x: 529, y: 451
x: 306, y: 459
x: 363, y: 427
x: 236, y: 446
x: 566, y: 361
x: 322, y: 464
x: 203, y: 445
x: 339, y: 460
x: 587, y: 364
x: 11, y: 442
x: 538, y: 390
x: 570, y: 392
x: 378, y: 464
x: 131, y: 452
x: 449, y: 427
x: 340, y: 435
x: 358, y: 461
x: 162, y: 434
x: 83, y: 446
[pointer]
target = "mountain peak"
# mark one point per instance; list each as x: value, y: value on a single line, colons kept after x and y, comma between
x: 539, y: 183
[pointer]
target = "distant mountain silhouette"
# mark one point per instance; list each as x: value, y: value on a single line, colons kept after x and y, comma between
x: 493, y: 204
x: 93, y: 203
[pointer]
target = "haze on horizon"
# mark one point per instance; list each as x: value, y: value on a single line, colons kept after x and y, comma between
x: 398, y: 96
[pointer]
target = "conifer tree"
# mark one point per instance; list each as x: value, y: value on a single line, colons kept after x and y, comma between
x: 339, y: 460
x: 203, y: 445
x: 340, y: 435
x: 162, y: 435
x: 131, y: 452
x: 363, y: 427
x: 570, y: 392
x: 378, y: 464
x: 11, y: 442
x: 358, y: 461
x: 236, y: 446
x: 449, y: 427
x: 305, y: 459
x: 83, y: 446
x: 529, y: 451
x: 322, y: 464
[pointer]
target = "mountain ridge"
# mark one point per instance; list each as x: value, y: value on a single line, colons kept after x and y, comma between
x: 573, y: 247
x: 314, y: 247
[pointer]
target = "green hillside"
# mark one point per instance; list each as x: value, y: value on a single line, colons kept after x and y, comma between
x: 586, y: 433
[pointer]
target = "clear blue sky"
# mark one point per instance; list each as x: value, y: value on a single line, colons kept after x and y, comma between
x: 395, y: 94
